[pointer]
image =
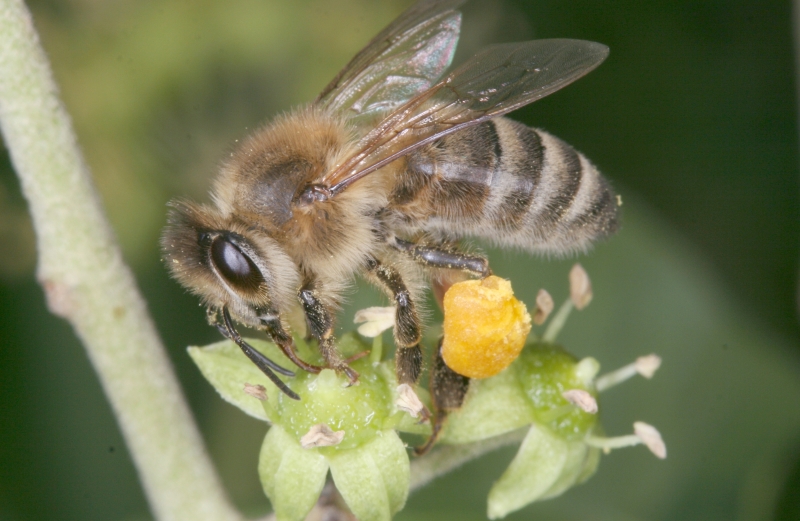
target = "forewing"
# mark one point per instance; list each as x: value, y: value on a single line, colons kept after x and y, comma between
x: 402, y: 61
x: 494, y: 82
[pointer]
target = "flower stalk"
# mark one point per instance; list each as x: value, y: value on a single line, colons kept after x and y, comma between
x: 87, y: 282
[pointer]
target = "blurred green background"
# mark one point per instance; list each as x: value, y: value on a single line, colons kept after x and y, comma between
x: 693, y: 118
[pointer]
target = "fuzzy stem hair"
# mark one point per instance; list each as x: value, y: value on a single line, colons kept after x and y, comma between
x: 86, y: 281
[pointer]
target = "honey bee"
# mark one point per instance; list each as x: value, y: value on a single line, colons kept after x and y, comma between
x: 381, y: 176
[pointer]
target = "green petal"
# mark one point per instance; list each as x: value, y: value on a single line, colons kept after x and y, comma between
x: 292, y: 476
x: 535, y: 470
x: 227, y: 369
x: 374, y: 478
x: 580, y: 458
x: 492, y: 407
x: 589, y: 465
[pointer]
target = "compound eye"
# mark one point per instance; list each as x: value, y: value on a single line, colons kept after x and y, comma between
x: 235, y: 266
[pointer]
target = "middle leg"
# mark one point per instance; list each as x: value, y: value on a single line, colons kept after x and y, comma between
x: 407, y: 331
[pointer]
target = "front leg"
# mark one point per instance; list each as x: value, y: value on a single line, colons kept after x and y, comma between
x: 407, y: 332
x: 261, y: 361
x: 272, y: 325
x: 320, y: 325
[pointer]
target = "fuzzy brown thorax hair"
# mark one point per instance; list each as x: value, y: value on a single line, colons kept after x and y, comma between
x: 261, y: 179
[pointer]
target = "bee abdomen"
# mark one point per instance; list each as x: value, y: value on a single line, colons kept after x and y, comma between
x: 546, y: 196
x: 509, y: 183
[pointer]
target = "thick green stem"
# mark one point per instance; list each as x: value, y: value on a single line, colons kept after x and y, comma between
x: 87, y: 282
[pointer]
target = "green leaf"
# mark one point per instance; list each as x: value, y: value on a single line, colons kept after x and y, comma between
x: 227, y: 369
x: 292, y: 476
x: 535, y: 470
x: 492, y: 407
x: 374, y: 478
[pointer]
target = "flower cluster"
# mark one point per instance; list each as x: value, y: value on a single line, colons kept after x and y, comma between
x: 539, y: 394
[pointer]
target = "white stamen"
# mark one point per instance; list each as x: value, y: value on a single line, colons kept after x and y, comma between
x: 644, y: 365
x: 321, y: 435
x: 581, y: 399
x: 613, y: 378
x: 259, y: 392
x: 376, y: 320
x: 544, y: 306
x: 651, y: 438
x: 616, y: 442
x: 558, y: 321
x: 580, y: 287
x: 648, y: 365
x: 644, y: 434
x: 408, y: 401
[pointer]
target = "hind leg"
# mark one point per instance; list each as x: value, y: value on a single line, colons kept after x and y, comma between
x: 448, y: 388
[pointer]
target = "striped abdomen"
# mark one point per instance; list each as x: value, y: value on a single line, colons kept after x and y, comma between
x: 510, y: 184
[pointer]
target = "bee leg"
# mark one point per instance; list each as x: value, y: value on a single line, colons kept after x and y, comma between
x: 407, y: 331
x: 320, y: 326
x: 448, y: 389
x: 272, y: 325
x: 262, y: 362
x: 442, y: 258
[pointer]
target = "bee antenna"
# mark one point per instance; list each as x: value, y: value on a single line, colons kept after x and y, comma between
x: 262, y: 362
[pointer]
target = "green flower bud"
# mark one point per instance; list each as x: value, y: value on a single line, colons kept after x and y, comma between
x: 534, y: 391
x: 361, y: 411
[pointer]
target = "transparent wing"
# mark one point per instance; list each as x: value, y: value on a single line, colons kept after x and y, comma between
x: 402, y: 61
x: 496, y: 81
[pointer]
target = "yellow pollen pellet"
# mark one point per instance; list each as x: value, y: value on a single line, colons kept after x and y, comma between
x: 485, y: 327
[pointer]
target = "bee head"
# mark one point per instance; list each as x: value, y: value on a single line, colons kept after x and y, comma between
x: 227, y: 263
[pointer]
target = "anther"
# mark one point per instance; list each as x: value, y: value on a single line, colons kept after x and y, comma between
x: 408, y: 401
x: 580, y: 287
x: 544, y: 306
x: 321, y: 435
x: 581, y: 399
x: 259, y: 392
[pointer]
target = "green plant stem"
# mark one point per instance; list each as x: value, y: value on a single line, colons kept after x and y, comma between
x: 86, y: 282
x: 450, y: 457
